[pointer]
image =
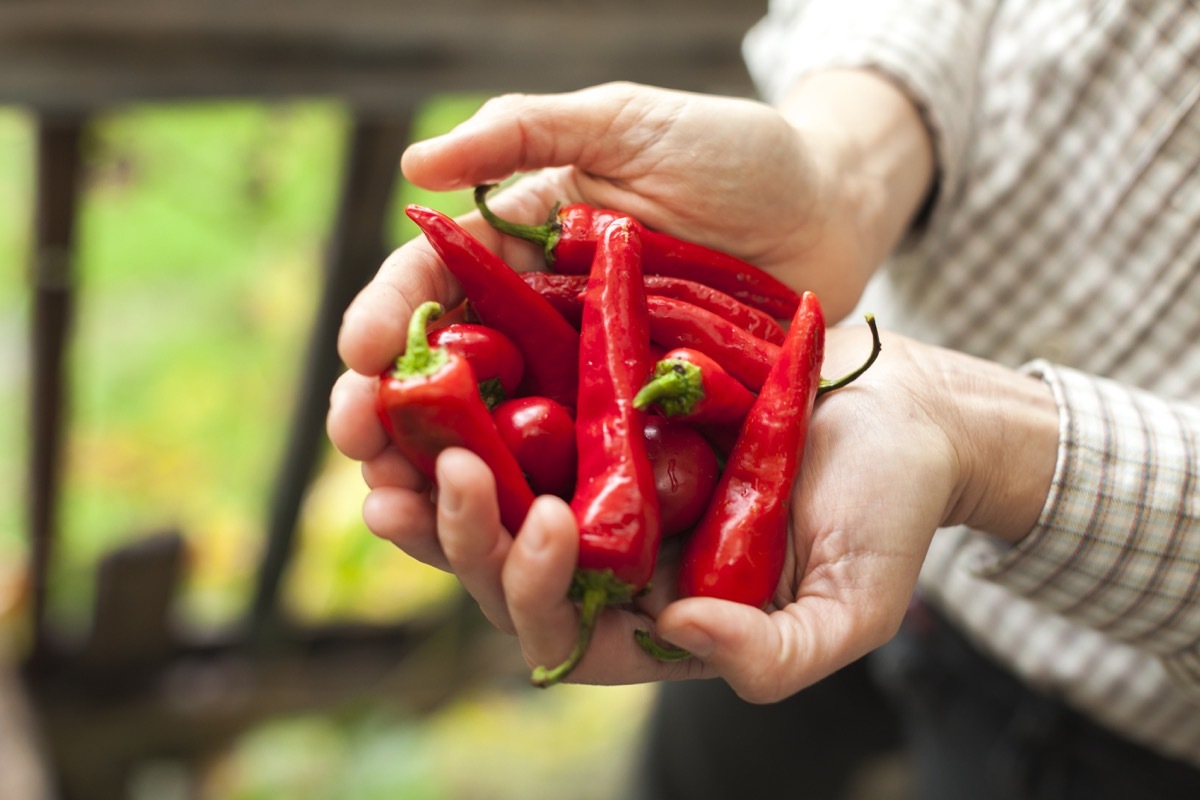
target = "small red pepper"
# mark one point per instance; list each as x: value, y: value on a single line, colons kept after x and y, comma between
x: 497, y: 362
x: 737, y: 550
x: 563, y: 293
x: 685, y: 472
x: 430, y: 401
x: 674, y: 323
x: 570, y: 236
x: 689, y: 385
x: 501, y: 300
x: 615, y: 500
x: 541, y: 434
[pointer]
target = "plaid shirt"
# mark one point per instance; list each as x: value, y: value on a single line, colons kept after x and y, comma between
x: 1064, y: 240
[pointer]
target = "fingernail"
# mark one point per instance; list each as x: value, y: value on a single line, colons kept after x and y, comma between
x: 695, y: 641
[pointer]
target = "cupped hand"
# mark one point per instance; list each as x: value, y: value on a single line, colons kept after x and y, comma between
x: 725, y: 172
x: 880, y: 474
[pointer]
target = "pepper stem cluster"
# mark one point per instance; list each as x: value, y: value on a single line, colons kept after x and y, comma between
x: 675, y: 388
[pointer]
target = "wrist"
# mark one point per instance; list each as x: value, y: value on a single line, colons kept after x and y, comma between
x: 1004, y: 427
x: 871, y: 152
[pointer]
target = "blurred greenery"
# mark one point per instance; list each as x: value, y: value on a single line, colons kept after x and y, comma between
x: 201, y: 232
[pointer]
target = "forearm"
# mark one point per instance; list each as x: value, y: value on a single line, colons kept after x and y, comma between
x: 872, y: 150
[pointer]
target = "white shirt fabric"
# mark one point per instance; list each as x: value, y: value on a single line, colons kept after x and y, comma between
x: 1064, y: 239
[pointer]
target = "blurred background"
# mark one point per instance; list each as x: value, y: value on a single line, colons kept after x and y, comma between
x: 190, y: 606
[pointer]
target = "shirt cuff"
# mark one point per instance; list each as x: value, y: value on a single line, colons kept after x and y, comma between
x: 1117, y: 545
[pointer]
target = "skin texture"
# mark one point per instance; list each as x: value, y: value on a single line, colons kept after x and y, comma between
x: 850, y: 165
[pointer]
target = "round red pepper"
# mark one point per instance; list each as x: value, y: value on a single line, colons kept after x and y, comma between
x: 541, y: 434
x: 685, y: 472
x: 497, y: 362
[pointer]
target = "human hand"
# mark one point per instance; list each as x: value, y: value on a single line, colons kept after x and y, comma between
x: 724, y: 172
x: 925, y: 438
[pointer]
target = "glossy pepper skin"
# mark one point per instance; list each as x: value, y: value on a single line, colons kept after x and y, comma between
x: 501, y: 300
x: 563, y: 292
x: 615, y: 501
x: 497, y: 362
x: 541, y: 434
x: 688, y: 385
x: 737, y: 550
x: 685, y: 472
x: 430, y: 401
x: 571, y: 235
x: 674, y: 323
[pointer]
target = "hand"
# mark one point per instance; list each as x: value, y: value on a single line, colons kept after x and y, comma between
x: 889, y: 460
x: 729, y: 173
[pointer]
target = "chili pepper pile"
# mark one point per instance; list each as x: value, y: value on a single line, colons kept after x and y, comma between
x: 643, y: 378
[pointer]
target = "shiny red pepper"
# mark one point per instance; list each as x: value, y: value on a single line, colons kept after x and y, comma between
x: 689, y: 385
x: 674, y: 323
x: 430, y: 401
x: 563, y: 293
x: 497, y: 362
x: 501, y: 300
x: 541, y: 434
x: 615, y: 500
x: 685, y: 472
x: 570, y: 237
x: 737, y: 550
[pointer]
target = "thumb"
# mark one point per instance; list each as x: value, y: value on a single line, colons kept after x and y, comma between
x: 763, y: 657
x: 521, y: 133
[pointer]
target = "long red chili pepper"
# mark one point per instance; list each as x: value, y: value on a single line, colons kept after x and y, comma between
x: 563, y: 293
x: 737, y: 550
x: 615, y: 500
x: 689, y: 385
x: 501, y: 300
x: 430, y: 401
x: 674, y: 323
x: 497, y: 362
x: 570, y: 236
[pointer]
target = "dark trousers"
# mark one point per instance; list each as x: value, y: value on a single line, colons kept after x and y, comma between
x: 967, y: 729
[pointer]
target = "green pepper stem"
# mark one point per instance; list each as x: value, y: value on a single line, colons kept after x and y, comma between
x: 545, y: 234
x: 419, y: 358
x: 663, y: 652
x: 593, y: 590
x: 676, y: 387
x: 828, y: 386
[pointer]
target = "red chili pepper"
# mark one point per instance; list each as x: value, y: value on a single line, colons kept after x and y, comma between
x: 689, y: 385
x: 497, y: 362
x: 503, y: 301
x: 685, y: 472
x: 737, y: 550
x: 674, y: 323
x: 570, y: 236
x: 430, y: 401
x: 562, y: 291
x: 615, y: 500
x: 541, y: 434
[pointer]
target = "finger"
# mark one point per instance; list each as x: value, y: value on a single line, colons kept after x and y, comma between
x: 375, y: 325
x: 468, y: 521
x: 595, y: 130
x: 390, y: 469
x: 351, y: 422
x: 767, y: 657
x: 406, y: 519
x: 536, y: 579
